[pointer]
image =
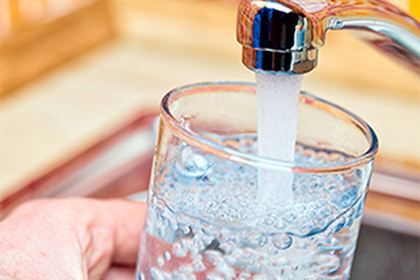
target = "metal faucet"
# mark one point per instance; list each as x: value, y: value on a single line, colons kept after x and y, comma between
x: 283, y: 36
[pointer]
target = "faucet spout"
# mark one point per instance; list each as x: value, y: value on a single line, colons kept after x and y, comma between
x: 283, y: 36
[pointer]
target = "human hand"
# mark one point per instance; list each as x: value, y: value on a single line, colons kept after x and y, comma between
x: 72, y: 238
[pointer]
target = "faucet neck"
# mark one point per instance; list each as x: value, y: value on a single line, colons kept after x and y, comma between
x: 284, y: 35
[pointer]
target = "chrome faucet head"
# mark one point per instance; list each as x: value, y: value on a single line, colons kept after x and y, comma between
x: 283, y: 36
x: 275, y: 38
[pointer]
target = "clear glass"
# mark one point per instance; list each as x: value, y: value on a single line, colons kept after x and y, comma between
x: 205, y: 217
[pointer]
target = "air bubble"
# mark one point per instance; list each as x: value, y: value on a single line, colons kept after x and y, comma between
x: 178, y: 250
x: 158, y: 275
x: 192, y: 163
x: 325, y: 264
x: 338, y: 224
x: 167, y: 256
x: 290, y: 216
x: 160, y: 261
x: 213, y: 256
x: 345, y: 197
x: 226, y: 271
x: 214, y: 276
x: 198, y: 265
x: 244, y: 276
x: 282, y: 241
x: 186, y: 268
x: 256, y: 240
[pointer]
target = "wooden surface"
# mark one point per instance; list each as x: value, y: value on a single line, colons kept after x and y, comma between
x: 29, y: 52
x: 164, y: 44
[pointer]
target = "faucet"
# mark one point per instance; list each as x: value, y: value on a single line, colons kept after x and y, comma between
x: 283, y: 36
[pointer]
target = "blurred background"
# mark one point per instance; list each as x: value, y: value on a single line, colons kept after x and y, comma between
x: 81, y: 80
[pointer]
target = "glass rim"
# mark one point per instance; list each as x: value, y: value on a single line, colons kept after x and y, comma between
x: 203, y: 143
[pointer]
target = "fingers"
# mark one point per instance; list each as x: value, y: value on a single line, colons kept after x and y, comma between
x: 77, y: 237
x: 127, y: 220
x: 120, y: 273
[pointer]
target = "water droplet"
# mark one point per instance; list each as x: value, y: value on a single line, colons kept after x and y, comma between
x: 282, y: 241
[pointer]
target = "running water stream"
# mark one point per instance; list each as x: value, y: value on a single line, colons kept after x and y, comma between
x: 277, y: 101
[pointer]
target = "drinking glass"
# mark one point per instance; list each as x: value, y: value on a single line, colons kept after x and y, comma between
x: 206, y: 217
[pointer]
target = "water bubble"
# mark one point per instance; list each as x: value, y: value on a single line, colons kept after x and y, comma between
x: 213, y: 256
x: 359, y: 208
x: 160, y: 261
x: 331, y: 185
x: 315, y: 184
x: 345, y: 197
x: 178, y: 250
x: 325, y: 264
x: 186, y: 268
x: 182, y: 220
x: 224, y: 235
x: 270, y: 219
x: 198, y: 265
x: 185, y: 230
x: 192, y: 163
x: 307, y: 154
x: 320, y: 156
x: 309, y: 227
x: 350, y: 217
x: 326, y: 211
x: 176, y: 275
x: 280, y: 224
x: 330, y: 243
x: 280, y: 262
x: 228, y: 247
x: 160, y: 208
x: 226, y: 271
x: 214, y: 276
x: 167, y: 256
x: 256, y: 240
x: 196, y: 245
x: 335, y: 157
x: 230, y: 259
x: 244, y: 276
x: 159, y: 275
x: 228, y: 215
x: 262, y: 277
x: 338, y: 224
x: 290, y: 216
x: 282, y: 241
